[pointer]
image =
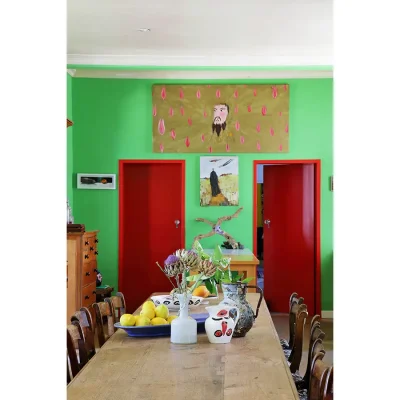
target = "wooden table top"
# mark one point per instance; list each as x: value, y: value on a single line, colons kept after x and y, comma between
x: 125, y: 368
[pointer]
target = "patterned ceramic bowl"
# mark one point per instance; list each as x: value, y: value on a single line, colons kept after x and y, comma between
x: 173, y: 304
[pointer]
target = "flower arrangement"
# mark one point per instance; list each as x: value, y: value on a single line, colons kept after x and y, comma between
x: 179, y: 264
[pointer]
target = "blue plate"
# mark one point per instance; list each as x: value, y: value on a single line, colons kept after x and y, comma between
x: 160, y: 330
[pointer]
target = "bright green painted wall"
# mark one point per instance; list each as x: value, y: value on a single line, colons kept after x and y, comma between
x: 70, y: 130
x: 113, y: 121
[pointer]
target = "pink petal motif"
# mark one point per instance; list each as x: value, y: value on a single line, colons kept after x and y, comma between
x: 236, y: 108
x: 237, y: 125
x: 171, y: 112
x: 190, y: 121
x: 205, y: 113
x: 154, y: 110
x: 280, y: 113
x: 198, y: 94
x: 202, y: 138
x: 227, y: 147
x: 264, y: 111
x: 210, y: 149
x: 163, y: 93
x: 286, y: 128
x: 161, y: 148
x: 187, y: 141
x: 274, y: 92
x: 161, y: 127
x: 182, y: 111
x: 208, y: 85
x: 258, y: 128
x: 173, y: 134
x: 242, y: 139
x: 255, y: 92
x: 249, y: 108
x: 280, y: 147
x: 258, y: 146
x: 235, y: 94
x: 218, y: 93
x: 285, y: 88
x: 272, y: 132
x: 181, y: 93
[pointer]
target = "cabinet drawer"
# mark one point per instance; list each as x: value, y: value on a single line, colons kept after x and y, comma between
x: 89, y: 295
x: 89, y: 273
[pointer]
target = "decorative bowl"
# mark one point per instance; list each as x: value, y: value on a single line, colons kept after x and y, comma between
x: 172, y: 304
x: 161, y: 330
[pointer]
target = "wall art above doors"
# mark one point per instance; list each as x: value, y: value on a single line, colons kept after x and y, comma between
x: 220, y: 118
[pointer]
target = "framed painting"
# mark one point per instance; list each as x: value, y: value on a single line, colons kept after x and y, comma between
x: 219, y: 181
x: 220, y: 118
x: 96, y: 181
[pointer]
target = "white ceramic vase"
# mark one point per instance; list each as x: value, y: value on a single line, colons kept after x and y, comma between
x: 184, y: 328
x: 220, y: 325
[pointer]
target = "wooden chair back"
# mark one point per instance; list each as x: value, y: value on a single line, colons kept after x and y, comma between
x: 321, y: 379
x: 103, y: 312
x: 75, y: 346
x: 297, y: 352
x: 294, y: 302
x: 84, y: 318
x: 118, y: 305
x: 72, y: 359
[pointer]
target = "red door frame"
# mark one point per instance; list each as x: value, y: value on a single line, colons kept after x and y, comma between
x: 121, y: 165
x: 317, y: 211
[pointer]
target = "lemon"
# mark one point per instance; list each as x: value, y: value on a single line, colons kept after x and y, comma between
x: 136, y: 317
x: 148, y: 312
x: 162, y: 311
x: 143, y: 321
x: 148, y: 304
x: 127, y: 320
x: 170, y: 318
x: 158, y: 321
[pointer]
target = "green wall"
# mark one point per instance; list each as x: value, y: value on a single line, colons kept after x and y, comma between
x: 70, y: 131
x: 113, y: 120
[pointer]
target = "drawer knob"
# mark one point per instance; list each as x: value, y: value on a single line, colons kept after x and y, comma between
x: 96, y: 252
x: 87, y: 297
x: 96, y: 270
x: 91, y: 248
x: 86, y: 243
x: 86, y: 256
x: 94, y: 292
x: 87, y: 273
x: 96, y: 240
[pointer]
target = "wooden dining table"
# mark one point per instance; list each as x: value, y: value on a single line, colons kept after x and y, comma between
x: 129, y: 368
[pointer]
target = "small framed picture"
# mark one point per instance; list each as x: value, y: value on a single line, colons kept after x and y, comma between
x: 96, y: 181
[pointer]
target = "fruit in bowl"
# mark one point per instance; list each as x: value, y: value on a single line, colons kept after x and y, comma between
x: 201, y: 291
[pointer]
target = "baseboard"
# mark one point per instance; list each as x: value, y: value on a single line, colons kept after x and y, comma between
x: 327, y: 314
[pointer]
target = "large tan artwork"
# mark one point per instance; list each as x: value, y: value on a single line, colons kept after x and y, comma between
x: 220, y: 118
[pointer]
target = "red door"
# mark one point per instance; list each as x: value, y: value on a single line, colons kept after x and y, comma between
x: 289, y: 235
x: 151, y: 200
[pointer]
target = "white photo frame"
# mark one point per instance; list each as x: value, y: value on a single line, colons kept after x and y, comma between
x: 96, y: 181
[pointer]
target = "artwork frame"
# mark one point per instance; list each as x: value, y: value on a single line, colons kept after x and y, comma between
x: 219, y: 181
x: 94, y: 181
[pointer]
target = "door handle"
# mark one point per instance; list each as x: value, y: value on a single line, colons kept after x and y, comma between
x: 267, y: 222
x: 177, y: 222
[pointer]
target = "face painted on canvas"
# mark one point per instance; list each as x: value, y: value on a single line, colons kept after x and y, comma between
x: 221, y: 112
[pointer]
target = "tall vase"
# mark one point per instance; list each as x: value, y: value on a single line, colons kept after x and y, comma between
x: 184, y: 328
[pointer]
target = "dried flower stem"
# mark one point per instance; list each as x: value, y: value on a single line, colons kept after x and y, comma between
x: 159, y: 266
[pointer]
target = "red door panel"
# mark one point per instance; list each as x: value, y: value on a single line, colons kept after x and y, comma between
x: 151, y: 201
x: 289, y: 238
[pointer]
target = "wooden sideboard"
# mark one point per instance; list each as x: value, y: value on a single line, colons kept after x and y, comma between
x: 81, y: 271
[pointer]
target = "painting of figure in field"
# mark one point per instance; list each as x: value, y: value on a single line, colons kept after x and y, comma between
x: 219, y: 181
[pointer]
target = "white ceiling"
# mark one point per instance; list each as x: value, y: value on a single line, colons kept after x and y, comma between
x: 200, y: 32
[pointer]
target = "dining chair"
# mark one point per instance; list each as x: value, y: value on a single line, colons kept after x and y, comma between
x: 104, y: 329
x: 84, y: 318
x: 118, y: 305
x: 76, y: 350
x: 294, y: 302
x: 294, y: 356
x: 321, y: 379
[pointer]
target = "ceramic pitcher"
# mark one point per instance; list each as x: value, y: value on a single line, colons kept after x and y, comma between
x: 235, y: 295
x: 220, y: 325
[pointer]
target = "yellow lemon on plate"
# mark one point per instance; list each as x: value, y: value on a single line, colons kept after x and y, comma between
x: 149, y: 304
x: 127, y: 320
x: 162, y: 311
x: 148, y: 312
x: 171, y: 318
x: 143, y: 321
x: 158, y: 321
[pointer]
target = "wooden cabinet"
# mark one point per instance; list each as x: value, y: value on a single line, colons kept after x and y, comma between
x: 81, y: 271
